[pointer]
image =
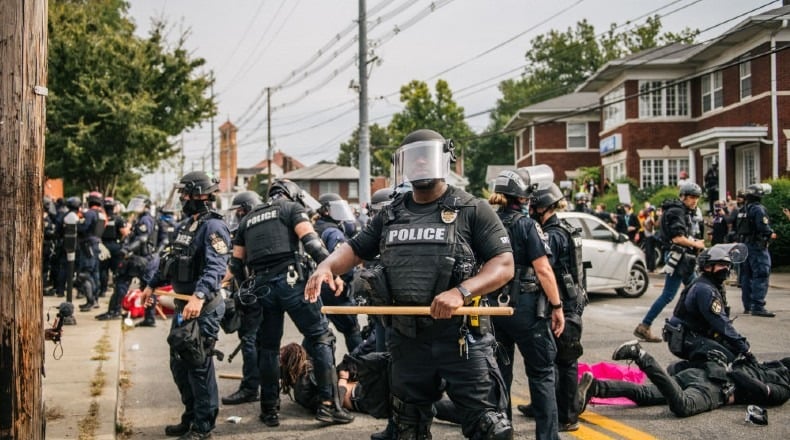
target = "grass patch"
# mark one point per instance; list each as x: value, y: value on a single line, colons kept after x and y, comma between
x: 125, y: 380
x: 88, y: 424
x: 53, y: 413
x: 102, y: 347
x: 97, y: 383
x: 123, y: 429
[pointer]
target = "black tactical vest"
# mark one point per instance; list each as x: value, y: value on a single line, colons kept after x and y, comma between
x: 422, y: 253
x: 186, y: 267
x: 743, y: 225
x: 268, y: 239
x: 110, y: 231
x: 575, y: 265
x: 101, y: 222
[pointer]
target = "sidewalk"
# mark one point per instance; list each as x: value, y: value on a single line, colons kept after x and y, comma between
x: 81, y: 388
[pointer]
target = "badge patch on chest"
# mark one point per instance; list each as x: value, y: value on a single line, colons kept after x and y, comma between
x: 193, y: 227
x: 715, y: 306
x: 218, y: 243
x: 449, y: 216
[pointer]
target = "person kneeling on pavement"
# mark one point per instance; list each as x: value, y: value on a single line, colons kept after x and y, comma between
x: 692, y: 391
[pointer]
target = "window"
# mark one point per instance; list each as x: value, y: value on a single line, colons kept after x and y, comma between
x: 353, y: 190
x: 712, y: 92
x: 659, y: 98
x: 576, y: 135
x: 747, y: 166
x: 614, y: 171
x: 328, y: 186
x: 658, y: 172
x: 746, y: 79
x: 531, y: 140
x: 614, y: 107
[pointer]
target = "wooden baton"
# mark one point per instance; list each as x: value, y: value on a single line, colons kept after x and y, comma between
x: 180, y: 296
x: 412, y: 310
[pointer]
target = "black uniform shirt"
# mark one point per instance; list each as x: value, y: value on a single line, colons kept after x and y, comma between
x: 528, y: 239
x: 480, y: 227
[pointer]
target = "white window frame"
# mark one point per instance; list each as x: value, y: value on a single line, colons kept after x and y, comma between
x: 655, y: 171
x: 328, y: 186
x: 614, y: 107
x: 531, y: 140
x: 353, y: 190
x: 655, y: 97
x: 747, y: 166
x: 615, y: 171
x: 576, y: 135
x: 745, y: 83
x: 712, y: 91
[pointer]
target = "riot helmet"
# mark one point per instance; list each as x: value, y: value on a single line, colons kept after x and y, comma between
x: 288, y: 189
x: 380, y: 199
x: 245, y: 201
x: 95, y: 199
x: 513, y: 183
x: 334, y: 207
x: 690, y: 189
x: 198, y: 182
x: 756, y: 191
x: 73, y: 203
x: 582, y: 197
x: 729, y: 254
x: 423, y: 158
x: 546, y: 196
x: 138, y: 204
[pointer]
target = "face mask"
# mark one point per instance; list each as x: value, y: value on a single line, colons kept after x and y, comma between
x: 719, y: 277
x: 192, y: 207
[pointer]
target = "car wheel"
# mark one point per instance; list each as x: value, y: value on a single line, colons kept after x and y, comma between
x: 637, y: 282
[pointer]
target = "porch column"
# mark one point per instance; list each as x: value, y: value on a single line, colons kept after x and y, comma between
x: 692, y: 166
x: 723, y: 169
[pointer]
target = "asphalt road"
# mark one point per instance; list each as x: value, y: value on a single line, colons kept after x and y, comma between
x: 151, y: 400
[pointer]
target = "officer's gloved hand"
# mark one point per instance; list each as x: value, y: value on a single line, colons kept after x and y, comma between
x: 720, y: 358
x: 747, y: 357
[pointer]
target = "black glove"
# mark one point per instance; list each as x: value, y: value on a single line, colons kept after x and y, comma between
x: 719, y: 357
x: 747, y: 357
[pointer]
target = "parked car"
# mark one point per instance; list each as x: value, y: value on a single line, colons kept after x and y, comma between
x: 616, y: 262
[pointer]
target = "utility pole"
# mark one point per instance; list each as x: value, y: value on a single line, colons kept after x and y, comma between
x: 364, y: 134
x: 212, y: 126
x: 23, y: 81
x: 269, y: 134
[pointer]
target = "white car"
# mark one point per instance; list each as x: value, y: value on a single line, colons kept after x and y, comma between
x: 616, y: 262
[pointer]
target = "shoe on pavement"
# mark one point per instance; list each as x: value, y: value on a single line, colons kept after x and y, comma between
x: 108, y: 316
x: 176, y: 430
x: 194, y: 435
x: 88, y: 306
x: 526, y: 410
x: 270, y: 418
x: 330, y: 414
x: 146, y: 323
x: 643, y: 332
x: 241, y: 396
x: 389, y: 433
x: 567, y: 427
x: 763, y: 313
x: 585, y: 391
x: 630, y: 350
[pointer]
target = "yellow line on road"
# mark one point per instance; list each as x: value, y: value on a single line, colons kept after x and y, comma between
x: 587, y: 433
x: 615, y: 426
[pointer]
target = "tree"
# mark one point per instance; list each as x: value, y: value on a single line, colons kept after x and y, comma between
x: 422, y: 110
x: 559, y: 62
x: 349, y: 151
x: 115, y: 99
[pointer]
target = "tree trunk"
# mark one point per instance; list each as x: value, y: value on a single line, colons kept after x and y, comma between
x: 23, y: 67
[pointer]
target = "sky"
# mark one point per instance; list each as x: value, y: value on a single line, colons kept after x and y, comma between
x: 250, y: 45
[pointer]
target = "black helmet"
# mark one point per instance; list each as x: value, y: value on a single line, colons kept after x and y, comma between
x: 514, y: 183
x: 582, y: 197
x: 109, y: 204
x: 288, y: 189
x: 690, y: 189
x: 246, y: 200
x: 73, y: 203
x: 546, y: 196
x: 381, y: 198
x: 198, y: 182
x: 732, y: 253
x: 95, y: 198
x: 423, y: 156
x: 334, y: 207
x: 757, y: 191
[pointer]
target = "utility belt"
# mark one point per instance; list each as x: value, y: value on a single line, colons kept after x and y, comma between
x: 264, y: 274
x: 674, y: 335
x: 409, y: 325
x: 188, y: 343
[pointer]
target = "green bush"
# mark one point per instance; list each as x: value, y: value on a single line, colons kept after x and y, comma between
x: 666, y: 192
x: 774, y: 202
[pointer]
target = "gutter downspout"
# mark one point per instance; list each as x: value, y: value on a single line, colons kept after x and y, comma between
x: 774, y: 106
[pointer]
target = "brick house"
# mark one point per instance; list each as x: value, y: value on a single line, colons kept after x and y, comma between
x: 673, y: 108
x: 684, y: 107
x: 555, y: 133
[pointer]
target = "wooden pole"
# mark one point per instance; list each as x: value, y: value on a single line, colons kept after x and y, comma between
x: 412, y: 310
x: 23, y: 80
x: 180, y: 296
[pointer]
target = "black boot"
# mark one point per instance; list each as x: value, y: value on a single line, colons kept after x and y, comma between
x: 389, y: 433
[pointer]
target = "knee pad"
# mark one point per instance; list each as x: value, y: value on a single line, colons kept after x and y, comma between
x: 493, y: 426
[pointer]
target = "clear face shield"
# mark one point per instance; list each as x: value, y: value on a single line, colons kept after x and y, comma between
x: 423, y: 160
x: 340, y: 211
x: 310, y: 203
x: 136, y: 205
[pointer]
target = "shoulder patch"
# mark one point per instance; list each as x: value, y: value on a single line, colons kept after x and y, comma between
x: 142, y: 227
x: 218, y: 243
x: 715, y: 306
x: 765, y: 220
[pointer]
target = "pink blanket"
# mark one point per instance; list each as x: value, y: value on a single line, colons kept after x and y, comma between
x: 610, y: 371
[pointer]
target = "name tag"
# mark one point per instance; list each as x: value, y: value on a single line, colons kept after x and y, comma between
x: 410, y: 234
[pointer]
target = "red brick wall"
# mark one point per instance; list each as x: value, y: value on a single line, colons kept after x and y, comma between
x: 561, y: 162
x: 761, y: 71
x: 550, y: 135
x: 731, y: 77
x: 632, y: 104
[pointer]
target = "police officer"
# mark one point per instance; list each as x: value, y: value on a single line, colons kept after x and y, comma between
x: 566, y: 260
x: 195, y: 267
x: 67, y: 254
x: 701, y: 319
x: 250, y: 312
x: 333, y: 213
x: 432, y: 240
x: 582, y: 204
x: 89, y: 232
x: 681, y: 246
x: 267, y: 242
x: 753, y: 228
x: 111, y: 239
x: 49, y: 262
x: 531, y: 289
